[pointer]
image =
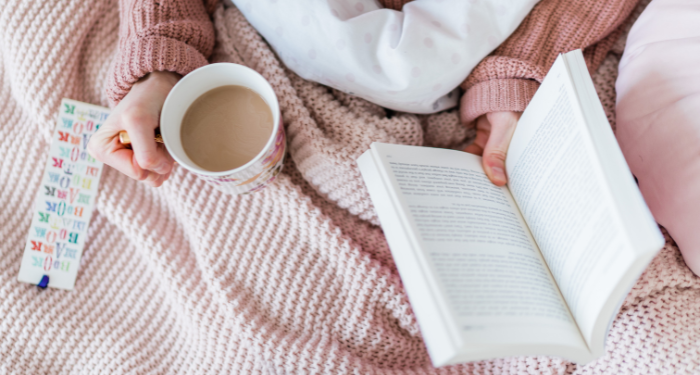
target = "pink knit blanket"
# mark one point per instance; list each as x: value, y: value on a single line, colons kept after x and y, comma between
x: 294, y: 279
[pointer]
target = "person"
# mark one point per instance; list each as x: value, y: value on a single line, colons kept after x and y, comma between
x: 658, y: 117
x: 159, y: 42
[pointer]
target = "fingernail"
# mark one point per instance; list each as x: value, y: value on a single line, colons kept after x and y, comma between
x: 152, y: 177
x: 142, y: 174
x: 498, y: 173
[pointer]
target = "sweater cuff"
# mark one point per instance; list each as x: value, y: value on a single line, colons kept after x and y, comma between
x: 140, y: 56
x: 495, y: 96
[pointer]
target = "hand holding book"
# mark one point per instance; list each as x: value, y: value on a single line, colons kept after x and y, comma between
x: 536, y: 267
x: 493, y: 134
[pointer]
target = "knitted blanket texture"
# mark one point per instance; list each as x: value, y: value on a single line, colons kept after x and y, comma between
x: 294, y: 279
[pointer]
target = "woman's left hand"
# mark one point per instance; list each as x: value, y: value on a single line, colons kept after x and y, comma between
x: 138, y: 114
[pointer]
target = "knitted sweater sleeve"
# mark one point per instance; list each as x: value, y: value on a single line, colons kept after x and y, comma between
x: 160, y: 35
x: 507, y: 79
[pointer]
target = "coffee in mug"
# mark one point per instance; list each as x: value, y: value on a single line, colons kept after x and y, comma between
x: 222, y: 122
x: 226, y: 127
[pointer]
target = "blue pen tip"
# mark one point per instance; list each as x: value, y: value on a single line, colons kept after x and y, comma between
x: 44, y: 282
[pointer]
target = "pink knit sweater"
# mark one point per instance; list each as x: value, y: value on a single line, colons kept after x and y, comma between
x: 167, y: 35
x: 177, y: 35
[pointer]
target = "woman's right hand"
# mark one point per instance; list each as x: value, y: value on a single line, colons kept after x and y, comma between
x: 493, y: 133
x: 139, y: 115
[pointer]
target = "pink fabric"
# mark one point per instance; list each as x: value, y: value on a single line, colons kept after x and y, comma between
x: 165, y: 35
x: 507, y: 79
x: 659, y: 117
x: 295, y: 279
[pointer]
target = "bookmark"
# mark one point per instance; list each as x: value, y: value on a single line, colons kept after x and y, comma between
x: 66, y: 198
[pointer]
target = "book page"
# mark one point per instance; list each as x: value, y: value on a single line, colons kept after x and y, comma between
x: 554, y: 176
x: 475, y: 249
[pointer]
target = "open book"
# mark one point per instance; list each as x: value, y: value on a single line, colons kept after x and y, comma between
x: 539, y: 267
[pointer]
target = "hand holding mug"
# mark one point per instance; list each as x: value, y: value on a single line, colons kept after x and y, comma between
x: 138, y: 114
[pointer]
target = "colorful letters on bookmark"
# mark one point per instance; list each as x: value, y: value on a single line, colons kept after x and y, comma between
x: 65, y: 199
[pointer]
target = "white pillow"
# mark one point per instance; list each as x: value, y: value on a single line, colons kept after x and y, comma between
x: 408, y: 61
